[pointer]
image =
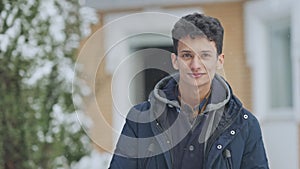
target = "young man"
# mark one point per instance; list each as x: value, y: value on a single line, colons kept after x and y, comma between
x: 192, y: 119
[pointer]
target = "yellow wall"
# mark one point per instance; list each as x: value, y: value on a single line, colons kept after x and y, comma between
x: 98, y: 105
x: 237, y: 71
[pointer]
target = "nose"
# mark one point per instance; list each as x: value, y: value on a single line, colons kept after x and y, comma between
x: 196, y: 63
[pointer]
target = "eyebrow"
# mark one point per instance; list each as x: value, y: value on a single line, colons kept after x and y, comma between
x: 188, y: 51
x: 206, y: 51
x: 185, y: 51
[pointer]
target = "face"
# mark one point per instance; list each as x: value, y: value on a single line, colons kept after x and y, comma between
x: 197, y: 61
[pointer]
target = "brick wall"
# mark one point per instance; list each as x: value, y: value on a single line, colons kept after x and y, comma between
x: 237, y: 71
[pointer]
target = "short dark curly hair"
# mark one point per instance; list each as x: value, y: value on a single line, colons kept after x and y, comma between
x: 197, y: 24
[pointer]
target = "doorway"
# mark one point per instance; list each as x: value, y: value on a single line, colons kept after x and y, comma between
x: 157, y: 63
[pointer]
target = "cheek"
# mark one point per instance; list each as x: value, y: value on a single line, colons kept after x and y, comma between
x: 183, y: 65
x: 210, y: 66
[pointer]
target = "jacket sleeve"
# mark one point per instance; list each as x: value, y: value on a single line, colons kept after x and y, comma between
x: 254, y: 156
x: 126, y: 153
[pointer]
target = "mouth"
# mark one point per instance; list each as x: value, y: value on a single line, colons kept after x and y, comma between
x: 196, y: 75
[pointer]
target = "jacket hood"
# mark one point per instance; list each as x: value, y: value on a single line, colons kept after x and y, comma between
x: 220, y: 92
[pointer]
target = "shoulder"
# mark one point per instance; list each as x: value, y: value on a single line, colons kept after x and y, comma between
x: 252, y: 122
x: 139, y: 120
x: 139, y: 113
x: 246, y: 119
x: 248, y: 125
x: 144, y: 106
x: 247, y: 116
x: 139, y: 108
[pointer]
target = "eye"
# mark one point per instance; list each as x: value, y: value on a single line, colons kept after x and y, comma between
x: 186, y: 56
x: 206, y: 55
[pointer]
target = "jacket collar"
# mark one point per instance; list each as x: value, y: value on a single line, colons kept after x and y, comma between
x: 165, y: 95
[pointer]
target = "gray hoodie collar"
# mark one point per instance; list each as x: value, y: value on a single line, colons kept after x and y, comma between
x: 220, y: 93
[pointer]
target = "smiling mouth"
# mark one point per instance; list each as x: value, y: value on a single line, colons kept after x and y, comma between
x: 196, y: 75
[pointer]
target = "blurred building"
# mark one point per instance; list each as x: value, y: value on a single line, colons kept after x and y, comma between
x: 262, y: 63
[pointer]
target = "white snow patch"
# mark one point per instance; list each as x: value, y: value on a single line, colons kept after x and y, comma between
x: 4, y: 39
x: 95, y: 160
x: 41, y: 71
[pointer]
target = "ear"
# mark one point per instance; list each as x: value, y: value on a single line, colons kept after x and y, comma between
x: 220, y: 61
x: 174, y: 61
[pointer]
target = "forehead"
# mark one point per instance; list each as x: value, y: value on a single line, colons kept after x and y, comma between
x: 196, y: 44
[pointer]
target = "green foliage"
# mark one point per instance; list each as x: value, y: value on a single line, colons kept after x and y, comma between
x: 39, y: 126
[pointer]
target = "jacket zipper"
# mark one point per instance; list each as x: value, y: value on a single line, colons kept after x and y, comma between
x: 166, y: 135
x: 146, y: 162
x: 227, y: 155
x: 148, y: 156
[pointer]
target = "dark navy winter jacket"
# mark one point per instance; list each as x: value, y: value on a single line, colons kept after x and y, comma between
x: 231, y: 135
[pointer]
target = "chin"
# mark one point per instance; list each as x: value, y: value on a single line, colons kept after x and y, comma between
x: 201, y: 83
x: 196, y: 82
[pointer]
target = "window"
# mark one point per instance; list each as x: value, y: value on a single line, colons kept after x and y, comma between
x: 280, y: 82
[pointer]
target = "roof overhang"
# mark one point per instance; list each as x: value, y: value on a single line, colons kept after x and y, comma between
x: 109, y: 5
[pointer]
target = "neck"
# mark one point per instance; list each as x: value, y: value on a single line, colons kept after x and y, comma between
x: 193, y: 95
